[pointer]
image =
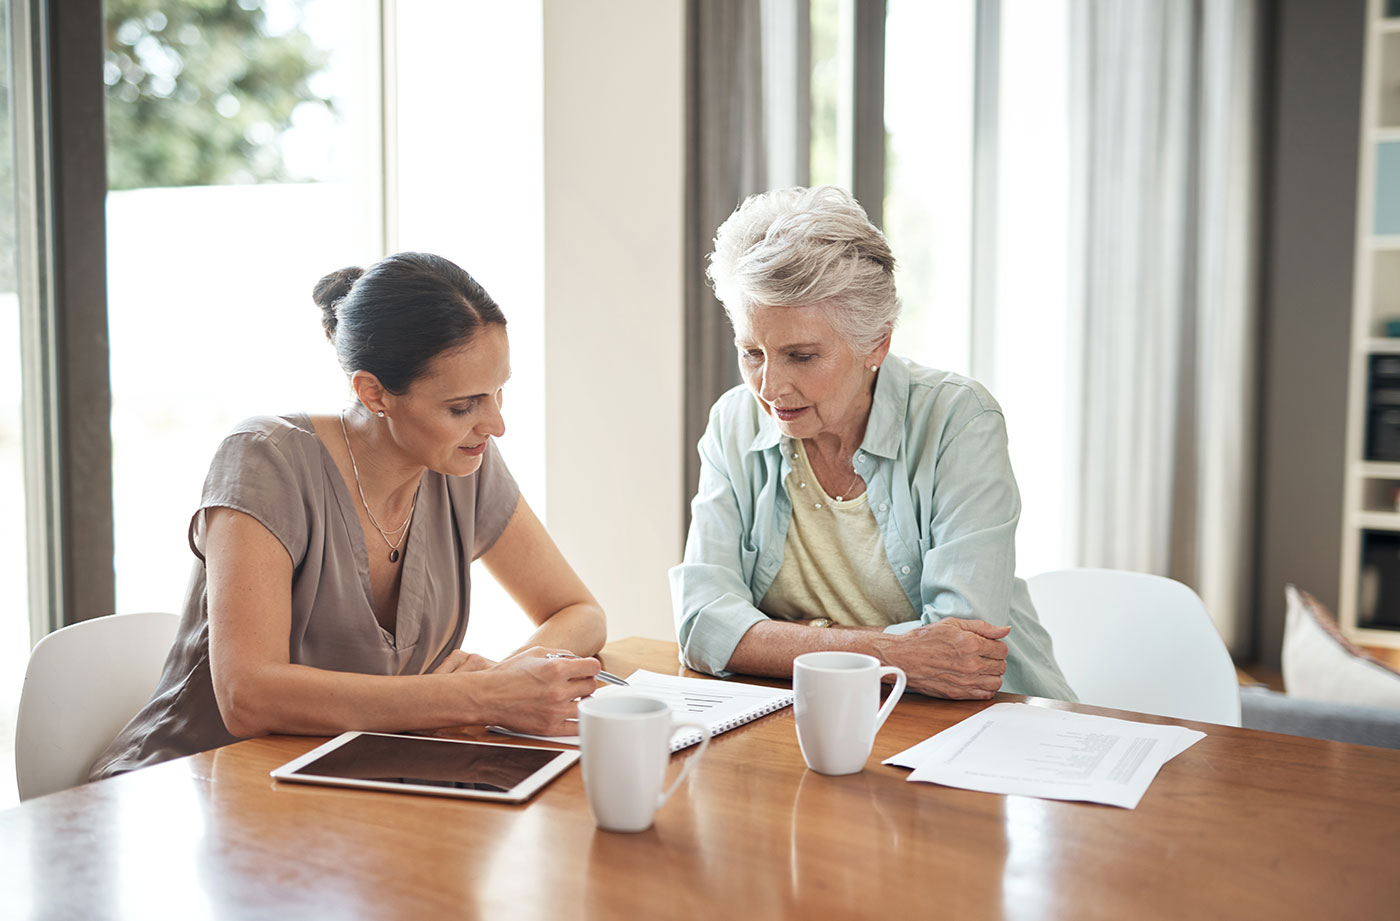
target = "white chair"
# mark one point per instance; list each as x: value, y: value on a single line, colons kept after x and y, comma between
x: 1140, y: 642
x: 83, y: 683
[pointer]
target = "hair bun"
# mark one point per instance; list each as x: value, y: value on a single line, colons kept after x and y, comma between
x: 330, y: 291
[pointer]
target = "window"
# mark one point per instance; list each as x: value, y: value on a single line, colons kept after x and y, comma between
x: 470, y: 178
x: 219, y: 228
x: 244, y: 163
x: 928, y: 165
x: 975, y: 208
x: 1029, y: 373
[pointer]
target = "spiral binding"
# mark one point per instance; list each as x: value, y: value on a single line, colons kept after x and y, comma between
x: 689, y: 737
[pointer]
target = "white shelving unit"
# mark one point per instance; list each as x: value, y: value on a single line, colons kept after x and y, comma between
x: 1371, y: 520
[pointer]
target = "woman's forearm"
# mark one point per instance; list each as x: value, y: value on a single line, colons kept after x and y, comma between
x: 958, y: 659
x: 579, y: 628
x: 301, y: 700
x: 769, y: 647
x: 528, y: 692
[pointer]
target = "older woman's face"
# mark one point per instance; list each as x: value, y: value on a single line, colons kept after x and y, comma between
x: 804, y: 374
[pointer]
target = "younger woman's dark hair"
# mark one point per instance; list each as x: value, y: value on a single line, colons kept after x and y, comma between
x: 395, y: 317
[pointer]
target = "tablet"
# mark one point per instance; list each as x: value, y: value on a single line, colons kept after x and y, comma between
x: 427, y: 764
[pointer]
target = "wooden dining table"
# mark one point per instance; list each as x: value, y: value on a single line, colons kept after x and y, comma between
x: 1243, y: 824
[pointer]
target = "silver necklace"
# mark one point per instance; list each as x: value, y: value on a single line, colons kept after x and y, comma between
x: 401, y: 530
x: 855, y: 475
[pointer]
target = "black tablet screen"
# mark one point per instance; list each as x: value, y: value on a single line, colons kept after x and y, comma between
x: 430, y: 762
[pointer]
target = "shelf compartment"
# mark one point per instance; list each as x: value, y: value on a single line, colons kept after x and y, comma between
x: 1378, y: 600
x: 1388, y: 92
x: 1387, y: 216
x: 1382, y: 408
x: 1385, y: 294
x: 1381, y: 498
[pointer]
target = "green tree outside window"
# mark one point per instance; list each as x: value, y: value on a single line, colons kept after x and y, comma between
x: 201, y: 92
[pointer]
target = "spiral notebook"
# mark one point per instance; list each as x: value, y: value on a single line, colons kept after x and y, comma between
x: 721, y: 705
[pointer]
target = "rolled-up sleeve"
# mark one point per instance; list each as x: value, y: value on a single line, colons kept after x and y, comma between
x: 970, y: 569
x: 710, y: 596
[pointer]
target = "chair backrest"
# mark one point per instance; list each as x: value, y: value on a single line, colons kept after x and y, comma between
x: 83, y: 683
x: 1140, y: 642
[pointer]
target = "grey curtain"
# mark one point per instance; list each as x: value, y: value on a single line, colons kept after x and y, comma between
x: 746, y: 132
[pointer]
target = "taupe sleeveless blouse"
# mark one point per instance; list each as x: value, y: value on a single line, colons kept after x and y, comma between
x: 275, y: 469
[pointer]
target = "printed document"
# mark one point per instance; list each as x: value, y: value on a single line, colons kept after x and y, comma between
x: 1053, y: 754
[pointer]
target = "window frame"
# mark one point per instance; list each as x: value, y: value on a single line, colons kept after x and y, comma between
x: 61, y: 193
x: 61, y: 186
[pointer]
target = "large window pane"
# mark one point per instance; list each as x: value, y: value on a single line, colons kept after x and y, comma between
x: 1032, y: 318
x: 244, y: 163
x: 833, y: 68
x: 928, y: 175
x: 470, y: 181
x: 930, y: 57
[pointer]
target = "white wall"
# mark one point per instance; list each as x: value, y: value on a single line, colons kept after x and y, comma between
x: 614, y: 84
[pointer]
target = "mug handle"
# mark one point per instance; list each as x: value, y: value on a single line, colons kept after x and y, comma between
x: 691, y: 761
x: 900, y: 680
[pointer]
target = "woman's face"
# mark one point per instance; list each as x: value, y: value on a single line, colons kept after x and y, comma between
x: 445, y: 417
x: 804, y: 374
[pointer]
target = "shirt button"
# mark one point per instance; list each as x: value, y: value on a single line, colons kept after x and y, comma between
x: 861, y: 457
x: 904, y: 569
x: 884, y: 507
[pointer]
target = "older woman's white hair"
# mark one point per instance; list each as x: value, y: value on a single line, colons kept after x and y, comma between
x: 807, y: 248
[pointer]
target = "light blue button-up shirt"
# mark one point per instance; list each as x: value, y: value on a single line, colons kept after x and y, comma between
x: 939, y: 481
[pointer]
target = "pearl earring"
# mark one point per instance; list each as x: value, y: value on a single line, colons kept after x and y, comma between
x: 380, y: 414
x: 874, y: 367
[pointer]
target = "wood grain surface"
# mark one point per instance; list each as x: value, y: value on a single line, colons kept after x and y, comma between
x: 1242, y: 825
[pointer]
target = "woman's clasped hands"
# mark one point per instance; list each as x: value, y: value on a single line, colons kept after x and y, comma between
x: 531, y: 691
x: 954, y: 658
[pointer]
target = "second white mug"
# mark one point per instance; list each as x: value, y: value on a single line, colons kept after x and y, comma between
x: 626, y: 744
x: 837, y: 708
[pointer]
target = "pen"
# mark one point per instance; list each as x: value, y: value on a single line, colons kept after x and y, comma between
x: 607, y: 677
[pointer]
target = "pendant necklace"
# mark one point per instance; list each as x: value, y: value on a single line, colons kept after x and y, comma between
x: 855, y: 475
x: 401, y: 530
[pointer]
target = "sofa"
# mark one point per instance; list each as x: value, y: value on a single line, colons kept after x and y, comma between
x: 1336, y: 690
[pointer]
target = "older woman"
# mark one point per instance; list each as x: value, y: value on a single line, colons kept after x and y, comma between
x: 848, y: 499
x: 332, y: 583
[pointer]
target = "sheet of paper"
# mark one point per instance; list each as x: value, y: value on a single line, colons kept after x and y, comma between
x: 720, y: 705
x: 1053, y: 754
x: 916, y: 755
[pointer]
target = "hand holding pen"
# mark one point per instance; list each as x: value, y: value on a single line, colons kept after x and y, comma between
x: 606, y: 677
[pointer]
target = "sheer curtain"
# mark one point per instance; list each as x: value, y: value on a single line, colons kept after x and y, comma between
x: 1162, y: 338
x: 747, y: 132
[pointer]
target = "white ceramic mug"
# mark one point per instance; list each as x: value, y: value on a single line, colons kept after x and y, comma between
x: 837, y: 707
x: 626, y: 743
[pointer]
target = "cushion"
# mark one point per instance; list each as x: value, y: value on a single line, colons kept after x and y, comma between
x: 1321, y: 664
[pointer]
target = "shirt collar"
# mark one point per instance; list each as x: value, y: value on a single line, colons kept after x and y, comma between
x: 884, y: 430
x: 768, y: 435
